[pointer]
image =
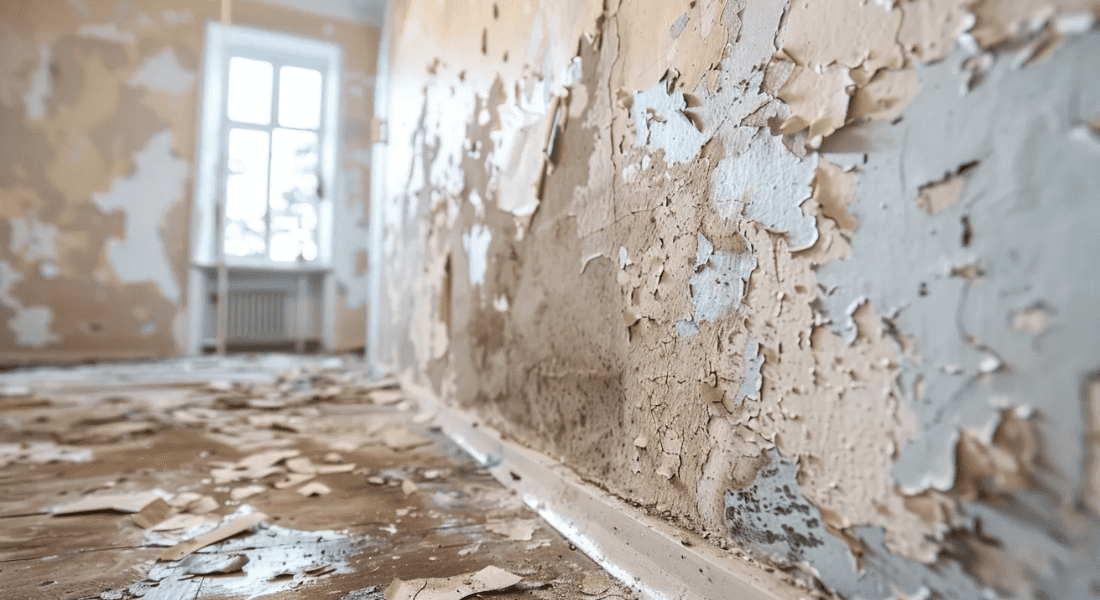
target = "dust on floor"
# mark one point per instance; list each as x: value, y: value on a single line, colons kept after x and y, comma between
x: 271, y: 477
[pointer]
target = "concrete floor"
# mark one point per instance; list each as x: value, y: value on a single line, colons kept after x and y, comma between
x: 197, y: 444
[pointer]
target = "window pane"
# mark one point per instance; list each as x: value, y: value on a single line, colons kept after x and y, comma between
x: 250, y: 90
x: 246, y: 192
x: 294, y: 194
x: 299, y: 98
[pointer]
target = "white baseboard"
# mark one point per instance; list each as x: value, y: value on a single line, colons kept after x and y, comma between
x: 643, y: 552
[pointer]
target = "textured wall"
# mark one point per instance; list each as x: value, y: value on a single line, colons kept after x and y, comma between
x: 813, y: 278
x: 98, y: 102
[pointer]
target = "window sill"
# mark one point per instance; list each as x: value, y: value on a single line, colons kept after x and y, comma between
x: 269, y: 267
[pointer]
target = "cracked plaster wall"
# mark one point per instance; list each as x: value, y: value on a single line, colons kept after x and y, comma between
x: 98, y: 102
x: 813, y: 279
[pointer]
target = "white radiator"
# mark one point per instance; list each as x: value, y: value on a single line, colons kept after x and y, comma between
x: 258, y: 315
x: 265, y: 307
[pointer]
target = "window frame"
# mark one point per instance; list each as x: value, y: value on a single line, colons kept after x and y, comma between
x: 280, y: 49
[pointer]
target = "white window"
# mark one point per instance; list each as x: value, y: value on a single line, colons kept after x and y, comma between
x: 266, y: 167
x: 269, y: 111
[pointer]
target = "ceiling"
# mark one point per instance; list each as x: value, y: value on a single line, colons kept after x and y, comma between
x: 362, y: 11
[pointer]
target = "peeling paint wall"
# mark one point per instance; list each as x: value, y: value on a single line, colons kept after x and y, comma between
x: 813, y: 279
x: 98, y: 103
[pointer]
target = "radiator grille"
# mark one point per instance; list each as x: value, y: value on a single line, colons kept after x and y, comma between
x: 263, y: 308
x: 257, y: 315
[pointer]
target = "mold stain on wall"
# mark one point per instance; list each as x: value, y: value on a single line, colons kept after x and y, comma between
x: 98, y: 104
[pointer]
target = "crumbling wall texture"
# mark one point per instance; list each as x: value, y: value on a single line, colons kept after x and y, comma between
x: 98, y: 107
x: 816, y: 279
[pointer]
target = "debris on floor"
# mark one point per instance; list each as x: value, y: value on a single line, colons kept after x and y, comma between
x: 489, y: 579
x: 255, y: 477
x: 238, y: 525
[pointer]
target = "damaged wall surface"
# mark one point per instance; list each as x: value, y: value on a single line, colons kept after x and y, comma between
x: 815, y: 279
x: 98, y: 108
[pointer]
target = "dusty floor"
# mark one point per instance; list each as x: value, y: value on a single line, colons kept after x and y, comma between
x: 192, y: 444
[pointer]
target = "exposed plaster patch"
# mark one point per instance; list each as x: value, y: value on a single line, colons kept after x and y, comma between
x: 520, y: 146
x: 624, y: 258
x: 718, y: 284
x: 686, y: 328
x: 39, y: 91
x: 33, y: 239
x: 108, y: 32
x: 31, y: 324
x: 768, y: 184
x: 163, y: 72
x: 476, y: 244
x: 144, y: 198
x: 662, y: 123
x: 750, y: 387
x: 477, y: 203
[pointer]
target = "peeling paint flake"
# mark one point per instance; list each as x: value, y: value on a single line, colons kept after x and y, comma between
x: 818, y: 101
x: 869, y: 39
x: 938, y: 196
x: 941, y: 195
x: 834, y: 189
x: 929, y: 28
x: 885, y: 96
